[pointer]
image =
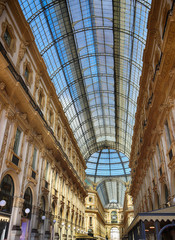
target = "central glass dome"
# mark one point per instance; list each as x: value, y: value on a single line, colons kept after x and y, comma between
x: 108, y: 162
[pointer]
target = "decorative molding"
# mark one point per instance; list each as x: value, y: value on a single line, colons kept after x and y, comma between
x: 23, y: 117
x: 10, y: 114
x: 37, y: 82
x: 18, y: 202
x: 27, y: 65
x: 4, y: 143
x: 10, y: 164
x: 21, y: 53
x: 2, y: 86
x: 12, y: 47
x: 2, y: 6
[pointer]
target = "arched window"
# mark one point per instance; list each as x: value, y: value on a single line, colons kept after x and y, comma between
x: 7, y: 193
x: 113, y: 217
x: 27, y: 202
x: 115, y: 234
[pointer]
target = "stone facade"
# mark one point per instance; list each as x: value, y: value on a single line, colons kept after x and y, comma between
x: 152, y: 158
x: 99, y: 220
x: 37, y: 147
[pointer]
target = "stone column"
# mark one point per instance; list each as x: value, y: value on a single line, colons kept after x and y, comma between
x: 10, y: 116
x: 57, y: 230
x: 135, y: 233
x: 47, y: 227
x: 62, y: 230
x: 157, y: 228
x: 142, y: 230
x: 34, y: 231
x: 16, y: 232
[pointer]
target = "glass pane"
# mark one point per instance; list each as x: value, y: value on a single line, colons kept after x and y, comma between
x: 7, y: 37
x: 17, y: 141
x: 34, y: 159
x: 93, y: 53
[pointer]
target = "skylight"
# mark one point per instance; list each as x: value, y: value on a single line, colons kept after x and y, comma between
x: 93, y: 52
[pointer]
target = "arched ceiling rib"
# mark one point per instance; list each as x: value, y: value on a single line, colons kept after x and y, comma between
x: 111, y: 190
x: 107, y: 163
x: 93, y: 52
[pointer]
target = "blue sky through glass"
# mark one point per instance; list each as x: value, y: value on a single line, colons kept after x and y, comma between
x: 93, y: 53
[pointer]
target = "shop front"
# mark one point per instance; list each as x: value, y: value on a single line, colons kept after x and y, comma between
x: 6, y: 205
x: 155, y: 225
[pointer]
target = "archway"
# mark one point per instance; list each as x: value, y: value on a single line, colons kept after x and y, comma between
x: 27, y: 209
x: 6, y: 195
x: 115, y: 234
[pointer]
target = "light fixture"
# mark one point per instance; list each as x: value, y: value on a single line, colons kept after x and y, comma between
x: 54, y: 221
x: 68, y: 226
x: 43, y: 217
x: 27, y: 210
x: 62, y: 223
x: 151, y: 227
x: 74, y: 228
x: 2, y: 203
x: 146, y: 230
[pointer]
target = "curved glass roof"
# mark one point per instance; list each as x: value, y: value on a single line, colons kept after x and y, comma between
x: 107, y: 162
x: 93, y: 52
x: 111, y: 190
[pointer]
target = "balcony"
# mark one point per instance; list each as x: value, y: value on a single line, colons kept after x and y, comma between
x: 54, y: 194
x: 62, y: 200
x: 14, y: 161
x: 33, y: 174
x: 45, y: 186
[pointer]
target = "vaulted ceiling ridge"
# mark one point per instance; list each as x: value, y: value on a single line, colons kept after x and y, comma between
x: 93, y: 53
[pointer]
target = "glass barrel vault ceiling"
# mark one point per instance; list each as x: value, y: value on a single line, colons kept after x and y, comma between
x: 107, y: 162
x: 93, y: 52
